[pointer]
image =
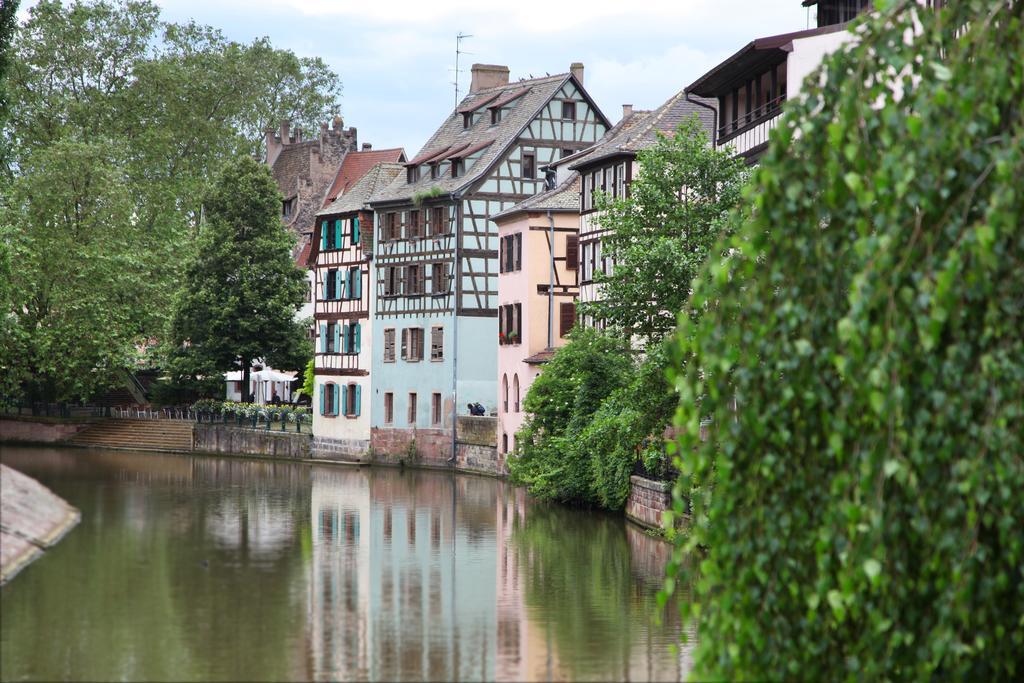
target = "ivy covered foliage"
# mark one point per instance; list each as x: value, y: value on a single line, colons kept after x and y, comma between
x: 867, y: 512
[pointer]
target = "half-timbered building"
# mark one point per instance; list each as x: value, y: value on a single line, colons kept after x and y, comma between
x: 436, y: 252
x: 610, y: 166
x: 341, y: 252
x: 538, y: 284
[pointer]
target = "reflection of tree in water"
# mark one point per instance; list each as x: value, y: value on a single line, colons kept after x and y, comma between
x: 596, y: 606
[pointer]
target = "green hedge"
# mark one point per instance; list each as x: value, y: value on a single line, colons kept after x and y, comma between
x: 867, y: 515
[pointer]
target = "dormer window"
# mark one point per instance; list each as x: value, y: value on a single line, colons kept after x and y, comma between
x: 495, y: 115
x: 568, y: 111
x: 467, y: 119
x: 287, y: 207
x: 433, y: 171
x: 412, y: 174
x: 456, y: 167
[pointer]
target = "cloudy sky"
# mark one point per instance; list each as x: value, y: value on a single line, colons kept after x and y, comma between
x: 396, y: 57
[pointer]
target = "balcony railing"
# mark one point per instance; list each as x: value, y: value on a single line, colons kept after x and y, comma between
x: 751, y: 120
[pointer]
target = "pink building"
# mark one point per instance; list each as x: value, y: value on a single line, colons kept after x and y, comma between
x: 537, y: 293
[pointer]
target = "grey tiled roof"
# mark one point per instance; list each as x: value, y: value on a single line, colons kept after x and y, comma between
x: 564, y: 197
x: 360, y: 194
x: 640, y: 130
x: 451, y: 134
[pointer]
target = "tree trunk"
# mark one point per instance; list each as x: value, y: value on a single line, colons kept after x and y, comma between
x: 246, y: 368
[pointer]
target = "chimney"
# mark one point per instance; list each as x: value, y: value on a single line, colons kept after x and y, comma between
x: 576, y: 68
x: 273, y: 145
x: 367, y: 146
x: 627, y: 111
x: 488, y: 76
x: 285, y: 125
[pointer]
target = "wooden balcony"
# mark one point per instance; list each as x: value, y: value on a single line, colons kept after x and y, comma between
x: 749, y: 131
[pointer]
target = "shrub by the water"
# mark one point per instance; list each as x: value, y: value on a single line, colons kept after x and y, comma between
x: 863, y: 360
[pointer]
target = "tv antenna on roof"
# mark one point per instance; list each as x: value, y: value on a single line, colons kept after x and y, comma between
x: 458, y: 53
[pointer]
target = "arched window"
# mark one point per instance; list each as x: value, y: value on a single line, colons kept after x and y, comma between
x: 515, y: 392
x: 504, y: 393
x: 504, y: 443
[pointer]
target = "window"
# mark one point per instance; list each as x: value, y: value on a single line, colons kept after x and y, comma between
x: 504, y: 443
x: 330, y: 285
x: 564, y: 152
x: 439, y: 220
x: 515, y: 393
x: 412, y: 174
x: 412, y: 408
x: 456, y: 167
x: 620, y: 181
x: 568, y: 111
x: 329, y: 399
x: 504, y: 393
x: 529, y: 165
x: 412, y: 344
x: 390, y: 231
x: 329, y: 338
x: 391, y: 278
x: 434, y: 172
x: 437, y: 343
x: 389, y: 345
x: 415, y: 229
x: 495, y: 115
x: 510, y: 253
x: 287, y: 206
x: 435, y: 409
x: 351, y: 338
x: 351, y: 398
x: 587, y: 200
x: 438, y: 278
x: 354, y: 285
x: 510, y: 317
x: 566, y: 318
x: 572, y: 252
x: 413, y: 280
x: 467, y: 119
x: 389, y: 407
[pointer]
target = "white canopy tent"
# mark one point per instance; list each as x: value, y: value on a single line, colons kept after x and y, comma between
x: 264, y: 385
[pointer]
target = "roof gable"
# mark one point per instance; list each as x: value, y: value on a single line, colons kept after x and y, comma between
x: 356, y: 165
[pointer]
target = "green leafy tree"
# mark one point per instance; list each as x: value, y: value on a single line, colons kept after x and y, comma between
x: 309, y: 379
x: 663, y: 232
x: 862, y: 356
x: 560, y: 404
x: 76, y: 295
x: 8, y: 24
x: 242, y: 289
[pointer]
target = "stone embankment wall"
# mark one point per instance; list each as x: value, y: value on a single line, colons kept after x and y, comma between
x: 28, y: 429
x: 229, y: 440
x: 475, y: 447
x: 647, y: 500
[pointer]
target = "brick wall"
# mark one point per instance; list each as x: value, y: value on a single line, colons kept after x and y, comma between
x: 345, y: 450
x: 476, y: 450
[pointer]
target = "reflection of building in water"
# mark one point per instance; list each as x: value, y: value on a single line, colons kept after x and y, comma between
x: 339, y: 590
x: 401, y: 585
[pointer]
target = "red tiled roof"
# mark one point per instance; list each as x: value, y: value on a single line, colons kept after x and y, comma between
x: 303, y: 256
x: 355, y: 166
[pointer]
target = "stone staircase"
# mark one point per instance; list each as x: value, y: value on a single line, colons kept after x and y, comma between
x: 141, y: 435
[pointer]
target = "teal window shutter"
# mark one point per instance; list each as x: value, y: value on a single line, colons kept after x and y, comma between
x: 357, y: 280
x: 323, y: 339
x: 323, y: 237
x: 344, y: 401
x: 357, y: 333
x: 323, y: 402
x: 349, y: 289
x: 337, y: 234
x: 344, y: 340
x: 337, y: 338
x: 339, y: 292
x: 355, y: 231
x: 324, y: 297
x: 359, y: 401
x: 337, y: 390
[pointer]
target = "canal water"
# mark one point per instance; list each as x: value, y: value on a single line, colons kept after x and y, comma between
x: 205, y: 568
